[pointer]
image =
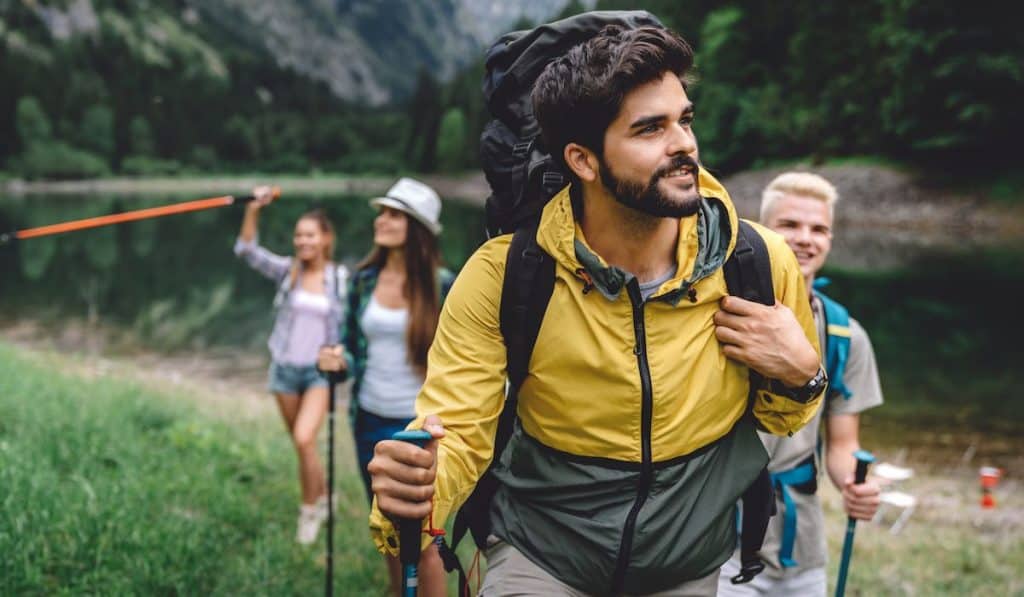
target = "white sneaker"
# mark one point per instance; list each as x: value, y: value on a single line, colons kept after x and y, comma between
x: 309, y: 524
x: 321, y: 505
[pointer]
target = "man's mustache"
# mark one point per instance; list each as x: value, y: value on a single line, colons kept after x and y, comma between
x: 676, y: 163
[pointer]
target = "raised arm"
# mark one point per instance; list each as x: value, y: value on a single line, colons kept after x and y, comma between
x: 247, y: 246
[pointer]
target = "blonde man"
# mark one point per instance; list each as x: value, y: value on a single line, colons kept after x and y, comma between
x: 800, y: 206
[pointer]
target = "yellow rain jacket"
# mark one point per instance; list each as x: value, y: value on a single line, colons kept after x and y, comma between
x: 633, y: 446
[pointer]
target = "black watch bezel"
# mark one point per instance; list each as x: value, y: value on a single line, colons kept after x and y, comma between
x: 806, y: 392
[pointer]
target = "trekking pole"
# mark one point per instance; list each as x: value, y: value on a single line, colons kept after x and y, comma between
x: 409, y: 528
x: 332, y: 380
x: 864, y: 458
x: 128, y: 216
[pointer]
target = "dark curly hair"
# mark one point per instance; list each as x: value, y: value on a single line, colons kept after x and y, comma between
x: 579, y: 94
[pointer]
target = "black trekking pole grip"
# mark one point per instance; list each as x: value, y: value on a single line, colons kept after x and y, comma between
x: 409, y: 529
x: 274, y: 191
x: 864, y: 459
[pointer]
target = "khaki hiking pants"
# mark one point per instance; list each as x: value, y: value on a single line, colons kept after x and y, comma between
x: 509, y: 573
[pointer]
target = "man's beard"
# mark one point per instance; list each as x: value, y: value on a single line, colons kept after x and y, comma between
x: 650, y: 199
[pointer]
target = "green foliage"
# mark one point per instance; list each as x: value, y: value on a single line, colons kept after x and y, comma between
x: 204, y: 158
x: 31, y: 122
x: 58, y: 160
x: 240, y: 141
x: 451, y: 139
x: 96, y: 132
x: 168, y: 88
x: 425, y: 112
x: 370, y: 162
x: 911, y: 80
x: 144, y: 165
x: 943, y: 330
x: 141, y: 142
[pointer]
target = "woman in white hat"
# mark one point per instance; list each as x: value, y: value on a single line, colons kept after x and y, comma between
x: 394, y: 299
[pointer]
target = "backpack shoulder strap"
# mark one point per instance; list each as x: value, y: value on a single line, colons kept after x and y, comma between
x: 748, y: 275
x: 748, y: 271
x: 837, y: 342
x: 526, y: 290
x: 525, y: 293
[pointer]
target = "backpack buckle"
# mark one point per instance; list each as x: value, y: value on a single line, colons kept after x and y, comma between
x: 552, y: 181
x: 532, y: 254
x: 521, y: 149
x: 747, y: 572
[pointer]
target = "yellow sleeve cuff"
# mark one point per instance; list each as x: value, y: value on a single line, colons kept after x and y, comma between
x: 781, y: 415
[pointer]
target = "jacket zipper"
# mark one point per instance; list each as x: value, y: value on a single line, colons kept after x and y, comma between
x: 646, y: 415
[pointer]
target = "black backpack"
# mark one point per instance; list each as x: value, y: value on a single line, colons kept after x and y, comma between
x: 522, y: 174
x: 523, y: 178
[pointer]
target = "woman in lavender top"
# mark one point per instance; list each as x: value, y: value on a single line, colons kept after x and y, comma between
x: 309, y: 307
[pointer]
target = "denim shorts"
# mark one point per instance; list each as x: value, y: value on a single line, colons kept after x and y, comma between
x: 294, y: 379
x: 370, y: 429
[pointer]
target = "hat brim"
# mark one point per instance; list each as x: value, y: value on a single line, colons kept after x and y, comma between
x: 401, y: 206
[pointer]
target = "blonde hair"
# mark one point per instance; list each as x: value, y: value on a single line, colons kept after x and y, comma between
x: 804, y: 184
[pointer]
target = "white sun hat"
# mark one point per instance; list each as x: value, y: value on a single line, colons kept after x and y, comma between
x: 415, y: 199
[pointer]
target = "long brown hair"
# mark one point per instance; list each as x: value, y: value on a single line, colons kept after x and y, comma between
x: 326, y: 229
x: 422, y: 261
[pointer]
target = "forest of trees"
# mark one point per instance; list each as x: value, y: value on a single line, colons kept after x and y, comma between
x: 917, y: 82
x: 911, y: 81
x: 112, y: 102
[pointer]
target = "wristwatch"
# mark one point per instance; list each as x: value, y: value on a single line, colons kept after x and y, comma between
x: 805, y: 393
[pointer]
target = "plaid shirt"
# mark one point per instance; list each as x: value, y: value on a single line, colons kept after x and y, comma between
x: 277, y: 268
x: 360, y: 290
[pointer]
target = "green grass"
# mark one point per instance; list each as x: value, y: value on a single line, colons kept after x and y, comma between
x: 950, y: 546
x: 110, y: 488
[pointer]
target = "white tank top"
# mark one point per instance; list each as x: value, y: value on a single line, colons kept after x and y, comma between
x: 390, y: 384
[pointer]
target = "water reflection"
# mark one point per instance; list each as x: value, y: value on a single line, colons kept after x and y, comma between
x: 173, y: 279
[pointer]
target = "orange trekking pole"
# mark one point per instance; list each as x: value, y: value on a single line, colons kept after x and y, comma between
x: 128, y: 216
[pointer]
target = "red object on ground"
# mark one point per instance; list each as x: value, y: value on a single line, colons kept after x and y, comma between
x: 989, y: 477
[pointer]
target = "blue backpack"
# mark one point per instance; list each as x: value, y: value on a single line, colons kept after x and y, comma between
x: 837, y: 343
x: 804, y: 476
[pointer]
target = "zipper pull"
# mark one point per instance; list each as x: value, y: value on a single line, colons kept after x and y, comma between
x: 588, y: 284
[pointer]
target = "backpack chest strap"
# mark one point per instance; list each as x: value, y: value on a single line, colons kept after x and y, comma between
x: 785, y: 481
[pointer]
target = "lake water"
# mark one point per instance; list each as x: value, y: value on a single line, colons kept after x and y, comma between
x: 174, y: 279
